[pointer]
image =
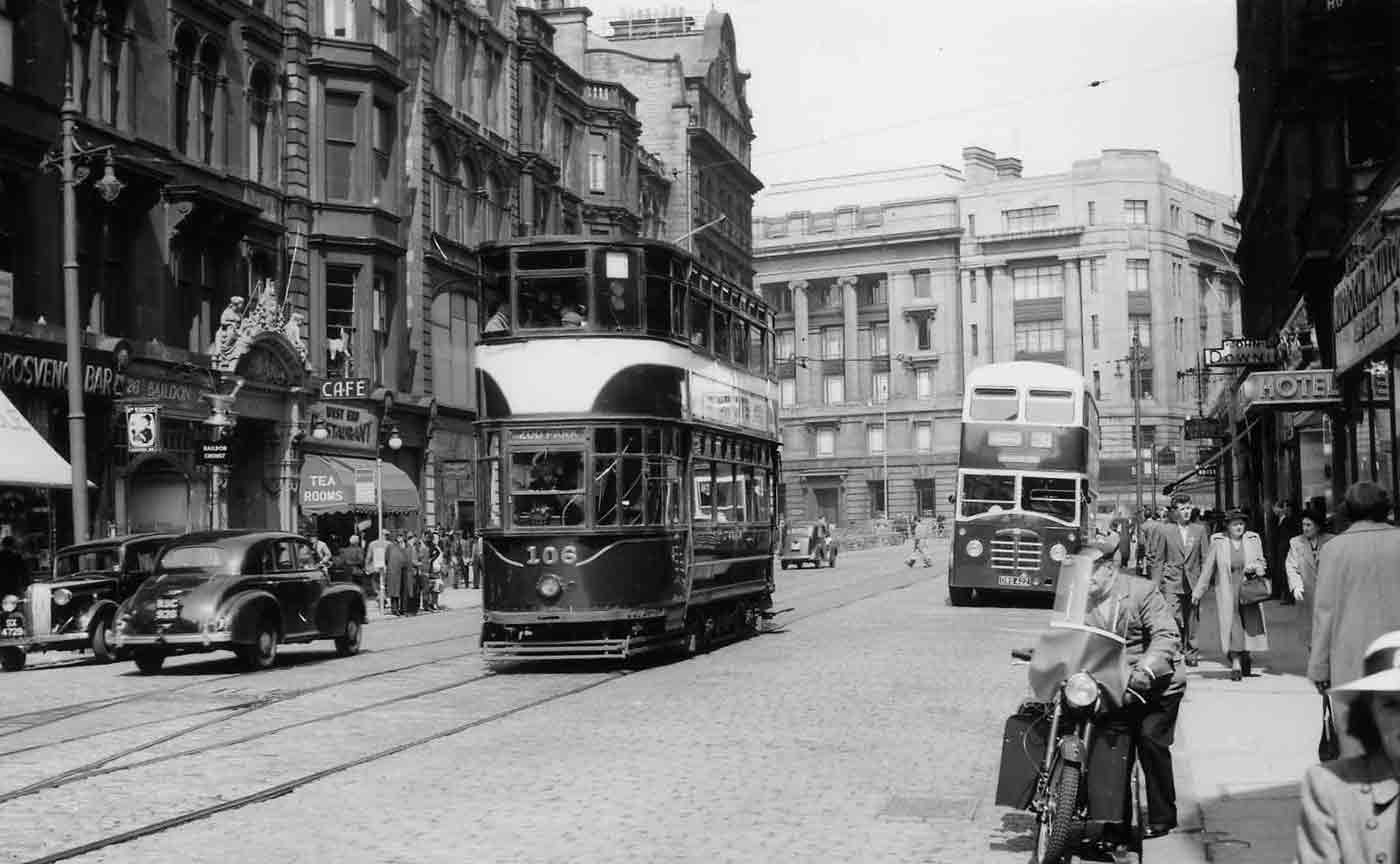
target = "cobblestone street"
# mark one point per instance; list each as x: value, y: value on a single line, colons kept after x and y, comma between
x: 867, y: 728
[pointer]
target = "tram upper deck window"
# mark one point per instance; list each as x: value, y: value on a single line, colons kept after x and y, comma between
x: 552, y: 301
x: 987, y: 493
x: 757, y: 351
x: 995, y: 404
x: 1052, y: 496
x: 722, y: 333
x: 547, y: 487
x: 659, y: 314
x: 699, y: 321
x: 740, y: 342
x: 1050, y: 406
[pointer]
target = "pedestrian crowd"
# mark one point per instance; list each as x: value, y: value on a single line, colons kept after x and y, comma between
x: 405, y: 571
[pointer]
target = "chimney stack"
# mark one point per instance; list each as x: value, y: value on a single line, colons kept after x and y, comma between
x: 979, y: 166
x: 1008, y: 166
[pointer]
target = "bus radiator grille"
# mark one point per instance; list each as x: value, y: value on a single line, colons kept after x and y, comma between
x: 1016, y: 554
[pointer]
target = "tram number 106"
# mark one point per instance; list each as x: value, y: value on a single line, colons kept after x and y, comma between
x: 551, y: 555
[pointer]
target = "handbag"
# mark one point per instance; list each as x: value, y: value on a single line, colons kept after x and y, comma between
x: 1329, y: 747
x: 1255, y: 589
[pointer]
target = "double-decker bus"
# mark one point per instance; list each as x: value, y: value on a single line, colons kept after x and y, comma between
x: 1028, y: 468
x: 628, y: 451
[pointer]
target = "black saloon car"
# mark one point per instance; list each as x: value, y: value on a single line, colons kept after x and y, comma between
x: 798, y: 548
x: 240, y: 591
x: 73, y: 606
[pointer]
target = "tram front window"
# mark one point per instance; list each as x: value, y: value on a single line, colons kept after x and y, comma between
x: 1051, y: 496
x: 987, y: 493
x: 547, y: 487
x: 618, y: 305
x: 553, y: 301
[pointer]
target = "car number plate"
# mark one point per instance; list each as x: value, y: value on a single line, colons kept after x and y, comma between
x: 167, y: 610
x: 1020, y: 580
x: 13, y: 629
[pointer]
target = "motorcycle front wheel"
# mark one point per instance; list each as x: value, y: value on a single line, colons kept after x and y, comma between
x: 1057, y: 825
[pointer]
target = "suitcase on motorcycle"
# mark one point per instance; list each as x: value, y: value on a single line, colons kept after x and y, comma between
x: 1111, y: 757
x: 1022, y: 754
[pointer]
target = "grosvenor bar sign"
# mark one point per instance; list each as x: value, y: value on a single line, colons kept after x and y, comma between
x: 1366, y: 303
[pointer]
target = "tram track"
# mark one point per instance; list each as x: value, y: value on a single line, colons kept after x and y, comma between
x: 857, y: 591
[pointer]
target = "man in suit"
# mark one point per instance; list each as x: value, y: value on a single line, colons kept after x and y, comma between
x: 1174, y: 558
x: 1287, y: 525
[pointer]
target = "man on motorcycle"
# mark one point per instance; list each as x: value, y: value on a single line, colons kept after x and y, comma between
x: 1135, y: 609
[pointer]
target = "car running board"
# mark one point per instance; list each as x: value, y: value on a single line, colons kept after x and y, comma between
x: 770, y: 614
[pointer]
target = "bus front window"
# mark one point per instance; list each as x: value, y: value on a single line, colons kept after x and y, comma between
x: 987, y: 493
x: 1055, y: 407
x: 1050, y: 496
x: 547, y: 487
x: 994, y: 404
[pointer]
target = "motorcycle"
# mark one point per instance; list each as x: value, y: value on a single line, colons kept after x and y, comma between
x: 1068, y: 753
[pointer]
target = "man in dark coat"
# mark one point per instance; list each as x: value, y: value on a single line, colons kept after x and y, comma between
x: 14, y: 573
x: 1287, y: 524
x: 398, y: 575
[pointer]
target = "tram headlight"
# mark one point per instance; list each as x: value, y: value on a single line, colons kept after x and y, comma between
x: 549, y: 587
x: 1081, y: 690
x: 10, y: 603
x: 974, y: 548
x: 1057, y: 552
x: 62, y: 597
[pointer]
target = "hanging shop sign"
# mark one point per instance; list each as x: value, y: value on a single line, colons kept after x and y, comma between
x: 1291, y: 390
x: 349, y: 428
x: 1203, y: 428
x: 169, y: 393
x: 142, y: 428
x: 35, y: 364
x: 214, y: 452
x: 1366, y: 303
x: 1242, y: 354
x: 346, y: 388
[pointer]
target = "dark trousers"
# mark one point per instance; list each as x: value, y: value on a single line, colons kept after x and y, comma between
x: 1188, y: 620
x: 1155, y: 725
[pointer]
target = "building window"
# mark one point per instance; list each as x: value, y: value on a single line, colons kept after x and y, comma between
x: 923, y: 332
x: 453, y: 320
x: 971, y: 225
x: 1094, y: 331
x: 108, y: 71
x: 880, y: 387
x: 1179, y: 332
x: 1039, y: 282
x: 379, y: 20
x: 1175, y: 214
x: 1040, y: 337
x: 1142, y: 325
x: 383, y: 151
x: 830, y: 296
x: 875, y: 439
x: 186, y: 44
x: 1096, y: 266
x: 210, y: 126
x: 490, y: 83
x: 1203, y: 225
x: 380, y: 306
x: 923, y: 287
x: 834, y: 389
x: 833, y: 343
x: 340, y: 145
x: 1143, y: 382
x: 923, y: 436
x: 972, y: 286
x: 598, y: 163
x: 446, y: 194
x: 873, y: 292
x: 880, y: 340
x: 1135, y: 212
x: 787, y: 345
x: 1030, y: 219
x: 339, y: 18
x: 340, y: 321
x: 261, y: 155
x: 826, y: 442
x: 1092, y: 217
x: 923, y: 383
x: 876, y: 490
x: 1178, y: 271
x: 972, y: 340
x: 1138, y: 280
x: 788, y: 394
x: 1098, y: 385
x: 7, y: 44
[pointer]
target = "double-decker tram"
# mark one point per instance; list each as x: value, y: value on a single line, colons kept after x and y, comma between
x: 1028, y: 470
x: 628, y: 451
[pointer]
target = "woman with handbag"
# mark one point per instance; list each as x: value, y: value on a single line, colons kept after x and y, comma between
x: 1237, y: 558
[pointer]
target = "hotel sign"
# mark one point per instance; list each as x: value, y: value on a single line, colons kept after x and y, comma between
x: 1366, y: 303
x: 1292, y: 390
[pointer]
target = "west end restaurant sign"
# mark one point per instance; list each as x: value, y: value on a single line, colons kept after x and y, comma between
x: 1366, y: 303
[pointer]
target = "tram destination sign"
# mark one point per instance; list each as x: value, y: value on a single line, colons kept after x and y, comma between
x: 558, y: 433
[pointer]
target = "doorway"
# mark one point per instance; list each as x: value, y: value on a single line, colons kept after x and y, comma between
x: 251, y: 500
x: 828, y: 504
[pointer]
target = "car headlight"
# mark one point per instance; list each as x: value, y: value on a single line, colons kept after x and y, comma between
x: 1081, y: 690
x: 62, y: 597
x: 10, y: 603
x: 974, y: 548
x: 549, y: 586
x: 1057, y: 552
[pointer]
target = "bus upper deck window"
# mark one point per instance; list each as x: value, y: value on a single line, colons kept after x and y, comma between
x: 996, y: 404
x: 1050, y: 406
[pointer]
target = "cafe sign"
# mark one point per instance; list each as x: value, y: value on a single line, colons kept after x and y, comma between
x: 1366, y: 303
x: 1291, y: 390
x: 348, y: 428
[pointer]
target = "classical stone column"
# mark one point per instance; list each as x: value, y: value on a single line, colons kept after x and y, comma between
x: 799, y: 314
x: 1074, y: 317
x: 857, y: 372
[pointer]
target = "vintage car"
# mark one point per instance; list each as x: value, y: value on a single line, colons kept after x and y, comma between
x: 796, y: 548
x: 240, y: 591
x: 72, y: 607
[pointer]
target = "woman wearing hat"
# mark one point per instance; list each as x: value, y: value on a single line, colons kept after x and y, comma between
x: 1235, y: 556
x: 1301, y: 564
x: 1349, y: 805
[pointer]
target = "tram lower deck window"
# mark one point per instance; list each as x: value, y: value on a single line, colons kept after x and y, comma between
x: 547, y: 487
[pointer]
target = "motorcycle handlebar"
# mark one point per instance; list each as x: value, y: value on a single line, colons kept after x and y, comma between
x: 1022, y: 654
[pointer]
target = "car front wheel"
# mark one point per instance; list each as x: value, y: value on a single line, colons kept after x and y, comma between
x: 263, y: 652
x: 149, y: 660
x: 348, y: 643
x: 101, y: 641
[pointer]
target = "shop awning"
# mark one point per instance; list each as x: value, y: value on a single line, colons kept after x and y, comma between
x: 1219, y: 454
x: 345, y: 484
x: 26, y: 459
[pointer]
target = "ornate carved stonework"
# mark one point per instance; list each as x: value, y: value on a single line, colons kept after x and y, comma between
x: 240, y: 327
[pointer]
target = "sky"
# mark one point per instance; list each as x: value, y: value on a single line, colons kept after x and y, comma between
x: 841, y: 86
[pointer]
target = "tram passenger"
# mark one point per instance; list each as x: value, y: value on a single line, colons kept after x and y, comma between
x: 499, y: 322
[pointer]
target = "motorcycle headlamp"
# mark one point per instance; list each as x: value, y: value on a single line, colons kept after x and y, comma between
x: 1081, y: 690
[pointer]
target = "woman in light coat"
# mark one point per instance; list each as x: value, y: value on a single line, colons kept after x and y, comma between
x: 1233, y: 557
x: 1349, y: 805
x: 1301, y: 564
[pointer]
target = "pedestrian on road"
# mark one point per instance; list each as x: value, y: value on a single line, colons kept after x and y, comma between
x: 377, y: 564
x: 1358, y: 595
x: 14, y: 573
x: 478, y: 560
x: 432, y: 583
x: 323, y: 552
x: 1233, y: 557
x: 352, y: 558
x: 922, y: 538
x: 1349, y: 805
x: 398, y: 575
x: 1301, y: 563
x: 1174, y: 556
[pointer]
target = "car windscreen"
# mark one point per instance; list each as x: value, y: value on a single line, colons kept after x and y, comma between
x: 194, y: 558
x: 68, y: 564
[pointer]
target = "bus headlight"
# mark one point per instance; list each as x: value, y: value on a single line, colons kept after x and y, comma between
x: 1057, y: 552
x: 974, y: 548
x: 549, y: 586
x: 1081, y: 690
x: 10, y: 603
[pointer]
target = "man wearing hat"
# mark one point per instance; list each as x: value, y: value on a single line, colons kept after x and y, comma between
x: 1349, y: 805
x: 1174, y: 564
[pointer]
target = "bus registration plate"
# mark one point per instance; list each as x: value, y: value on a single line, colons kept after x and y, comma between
x: 1019, y: 580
